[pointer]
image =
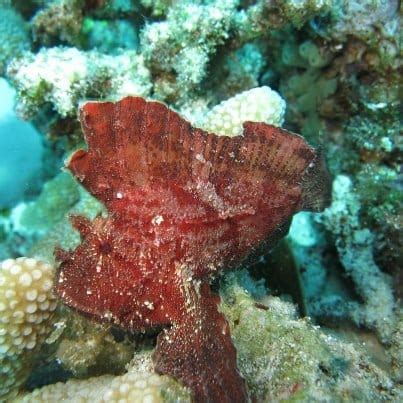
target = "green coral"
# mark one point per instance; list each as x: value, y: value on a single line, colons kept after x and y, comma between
x: 307, y: 92
x: 377, y: 186
x: 238, y: 71
x: 110, y: 36
x: 305, y: 86
x: 158, y: 7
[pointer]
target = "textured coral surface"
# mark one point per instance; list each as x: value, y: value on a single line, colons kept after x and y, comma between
x: 131, y: 387
x: 27, y: 303
x: 183, y: 205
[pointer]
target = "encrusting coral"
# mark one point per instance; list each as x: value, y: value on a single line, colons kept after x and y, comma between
x: 27, y: 303
x: 284, y: 358
x: 376, y: 23
x: 62, y: 77
x: 89, y: 349
x: 38, y: 217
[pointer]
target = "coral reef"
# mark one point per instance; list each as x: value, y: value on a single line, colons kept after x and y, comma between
x: 373, y: 22
x: 336, y: 65
x: 27, y: 303
x: 289, y: 359
x: 63, y: 234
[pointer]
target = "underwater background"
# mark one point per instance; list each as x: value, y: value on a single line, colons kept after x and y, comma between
x: 319, y: 317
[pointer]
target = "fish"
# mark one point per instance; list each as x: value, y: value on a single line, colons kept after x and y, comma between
x: 184, y: 206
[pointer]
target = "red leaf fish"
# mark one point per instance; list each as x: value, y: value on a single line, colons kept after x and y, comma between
x: 183, y: 205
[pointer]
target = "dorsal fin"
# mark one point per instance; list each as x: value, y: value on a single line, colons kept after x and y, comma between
x: 316, y: 184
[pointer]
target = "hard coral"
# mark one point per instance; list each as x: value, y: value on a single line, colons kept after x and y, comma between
x: 26, y: 307
x: 62, y: 76
x: 131, y: 387
x: 183, y: 205
x: 354, y: 244
x: 264, y: 104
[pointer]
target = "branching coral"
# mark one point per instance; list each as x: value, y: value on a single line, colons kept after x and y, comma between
x: 27, y: 303
x: 355, y: 247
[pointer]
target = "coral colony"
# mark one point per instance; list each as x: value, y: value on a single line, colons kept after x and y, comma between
x: 183, y: 206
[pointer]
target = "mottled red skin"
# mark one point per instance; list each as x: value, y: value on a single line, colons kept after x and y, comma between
x: 183, y: 205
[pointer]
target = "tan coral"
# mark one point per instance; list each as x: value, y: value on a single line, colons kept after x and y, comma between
x: 260, y: 104
x: 26, y: 307
x: 132, y: 387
